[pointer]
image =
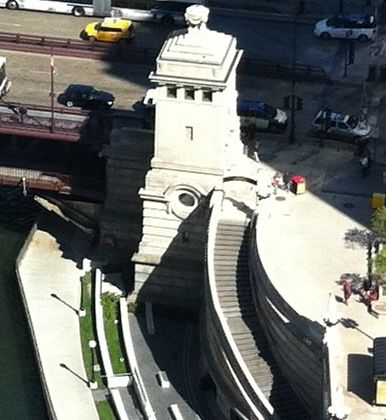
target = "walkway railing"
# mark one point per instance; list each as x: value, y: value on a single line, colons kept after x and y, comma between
x: 245, y: 383
x: 130, y: 354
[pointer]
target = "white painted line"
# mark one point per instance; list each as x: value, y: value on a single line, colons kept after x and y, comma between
x: 39, y: 71
x: 10, y: 24
x: 149, y: 318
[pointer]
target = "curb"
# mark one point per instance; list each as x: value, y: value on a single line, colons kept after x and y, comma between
x: 269, y: 16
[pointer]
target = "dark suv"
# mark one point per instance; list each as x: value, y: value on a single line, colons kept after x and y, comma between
x: 87, y: 97
x: 171, y: 13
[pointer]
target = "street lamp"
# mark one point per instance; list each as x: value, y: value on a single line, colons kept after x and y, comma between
x: 93, y: 384
x: 82, y: 310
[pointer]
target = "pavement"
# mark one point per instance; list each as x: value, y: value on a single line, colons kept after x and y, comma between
x: 309, y: 241
x: 50, y: 285
x: 308, y: 11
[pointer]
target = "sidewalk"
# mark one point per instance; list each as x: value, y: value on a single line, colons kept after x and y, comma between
x: 50, y: 287
x: 284, y: 10
x: 319, y: 236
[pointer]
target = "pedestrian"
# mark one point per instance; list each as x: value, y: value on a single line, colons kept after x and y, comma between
x: 276, y: 182
x: 287, y: 181
x: 347, y: 291
x: 365, y: 161
x: 369, y: 297
x: 255, y: 151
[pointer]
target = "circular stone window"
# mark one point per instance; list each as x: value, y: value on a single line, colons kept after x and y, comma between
x: 183, y: 199
x: 187, y: 199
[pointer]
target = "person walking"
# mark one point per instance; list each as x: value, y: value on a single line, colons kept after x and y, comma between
x: 347, y: 291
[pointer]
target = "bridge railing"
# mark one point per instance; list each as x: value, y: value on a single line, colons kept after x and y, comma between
x: 250, y: 65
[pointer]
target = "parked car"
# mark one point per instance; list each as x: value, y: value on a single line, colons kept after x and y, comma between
x: 86, y: 96
x: 262, y: 116
x: 109, y: 30
x: 335, y: 124
x: 361, y: 27
x: 171, y: 13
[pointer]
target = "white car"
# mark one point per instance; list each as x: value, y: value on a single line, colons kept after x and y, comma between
x: 363, y: 28
x: 335, y: 124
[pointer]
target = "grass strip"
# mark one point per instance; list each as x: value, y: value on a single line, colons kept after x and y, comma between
x: 112, y: 329
x: 87, y: 331
x: 105, y: 411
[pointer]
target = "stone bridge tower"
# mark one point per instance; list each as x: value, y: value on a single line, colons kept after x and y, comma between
x: 197, y: 142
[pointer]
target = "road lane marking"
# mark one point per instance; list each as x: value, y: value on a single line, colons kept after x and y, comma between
x: 10, y: 24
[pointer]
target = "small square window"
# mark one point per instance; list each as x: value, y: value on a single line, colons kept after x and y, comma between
x: 207, y: 96
x: 171, y: 92
x: 189, y: 94
x: 189, y: 133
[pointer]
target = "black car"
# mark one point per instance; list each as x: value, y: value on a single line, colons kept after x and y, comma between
x: 86, y: 97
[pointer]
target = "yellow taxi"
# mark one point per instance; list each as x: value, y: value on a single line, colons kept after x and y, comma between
x: 109, y: 30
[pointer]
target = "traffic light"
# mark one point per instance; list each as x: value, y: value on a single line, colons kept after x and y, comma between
x: 286, y: 101
x: 299, y: 103
x: 351, y: 52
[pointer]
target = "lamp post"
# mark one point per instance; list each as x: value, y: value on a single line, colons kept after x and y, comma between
x: 93, y: 384
x: 52, y: 93
x: 293, y: 81
x: 341, y: 6
x: 82, y: 310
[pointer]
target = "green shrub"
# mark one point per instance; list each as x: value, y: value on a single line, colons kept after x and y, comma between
x: 110, y: 305
x: 380, y: 262
x: 132, y: 307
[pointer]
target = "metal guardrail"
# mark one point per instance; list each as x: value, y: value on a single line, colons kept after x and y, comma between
x: 75, y: 48
x: 253, y: 66
x: 124, y: 52
x: 46, y: 108
x: 19, y: 119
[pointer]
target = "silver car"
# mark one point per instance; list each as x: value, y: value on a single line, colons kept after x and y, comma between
x: 334, y: 124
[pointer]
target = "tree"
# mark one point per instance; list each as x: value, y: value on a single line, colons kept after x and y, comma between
x: 380, y: 262
x: 378, y: 222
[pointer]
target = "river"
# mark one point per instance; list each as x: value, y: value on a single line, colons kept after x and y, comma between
x: 20, y: 387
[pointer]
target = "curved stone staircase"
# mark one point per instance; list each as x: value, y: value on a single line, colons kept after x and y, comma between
x: 235, y: 295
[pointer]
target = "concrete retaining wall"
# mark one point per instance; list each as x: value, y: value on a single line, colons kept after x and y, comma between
x: 295, y: 341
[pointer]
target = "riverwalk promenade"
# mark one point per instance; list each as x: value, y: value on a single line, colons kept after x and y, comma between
x: 50, y: 287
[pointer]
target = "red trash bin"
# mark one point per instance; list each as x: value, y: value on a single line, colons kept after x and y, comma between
x: 298, y: 184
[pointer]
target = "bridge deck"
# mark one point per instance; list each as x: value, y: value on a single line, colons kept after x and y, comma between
x: 41, y: 122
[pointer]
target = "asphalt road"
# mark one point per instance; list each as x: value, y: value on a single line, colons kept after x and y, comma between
x: 31, y: 78
x: 31, y: 83
x: 269, y: 40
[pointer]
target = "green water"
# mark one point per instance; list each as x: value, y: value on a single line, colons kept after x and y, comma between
x: 21, y: 396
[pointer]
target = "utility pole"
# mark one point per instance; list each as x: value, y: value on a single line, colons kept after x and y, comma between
x: 341, y: 7
x: 293, y: 81
x: 349, y: 52
x: 52, y: 92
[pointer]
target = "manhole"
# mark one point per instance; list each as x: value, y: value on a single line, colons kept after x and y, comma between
x: 348, y: 205
x: 280, y: 198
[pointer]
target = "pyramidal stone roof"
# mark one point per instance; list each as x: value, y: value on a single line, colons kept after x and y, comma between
x: 196, y: 53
